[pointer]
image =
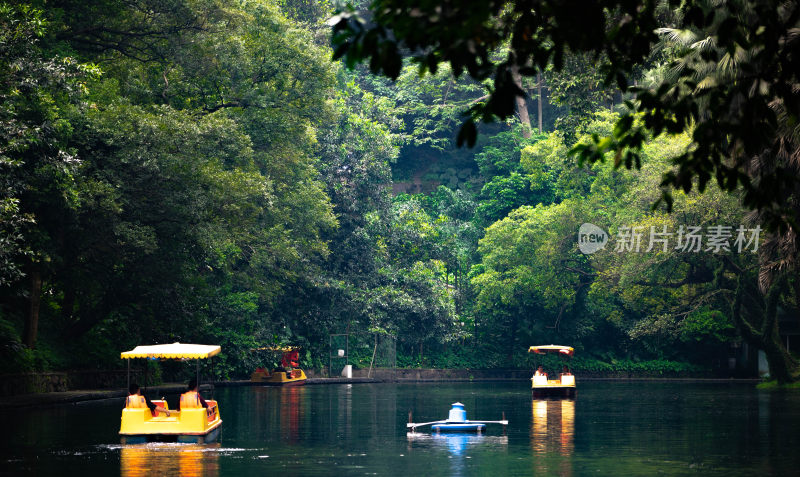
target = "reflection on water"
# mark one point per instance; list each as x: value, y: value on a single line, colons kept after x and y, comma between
x: 455, y: 443
x: 162, y: 459
x: 291, y: 412
x: 344, y: 397
x: 283, y: 407
x: 616, y: 428
x: 553, y: 435
x: 459, y: 446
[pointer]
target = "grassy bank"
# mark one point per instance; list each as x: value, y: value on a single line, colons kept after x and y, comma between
x: 775, y: 386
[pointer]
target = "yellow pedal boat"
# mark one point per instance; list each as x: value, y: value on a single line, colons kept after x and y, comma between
x: 289, y: 374
x: 196, y: 425
x: 294, y: 377
x: 542, y: 386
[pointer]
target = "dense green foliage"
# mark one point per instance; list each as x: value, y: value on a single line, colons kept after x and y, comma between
x: 201, y: 171
x: 724, y: 73
x: 732, y: 75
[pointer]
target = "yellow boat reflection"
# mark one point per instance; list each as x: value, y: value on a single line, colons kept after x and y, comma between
x: 185, y: 460
x: 553, y: 435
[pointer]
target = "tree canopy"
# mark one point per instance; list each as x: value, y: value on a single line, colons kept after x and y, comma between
x: 731, y: 82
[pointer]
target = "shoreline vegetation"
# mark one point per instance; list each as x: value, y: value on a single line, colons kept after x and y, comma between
x: 773, y: 385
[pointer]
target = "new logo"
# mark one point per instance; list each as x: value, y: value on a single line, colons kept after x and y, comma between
x: 591, y: 238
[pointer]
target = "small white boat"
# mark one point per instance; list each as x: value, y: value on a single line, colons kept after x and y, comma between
x: 456, y: 422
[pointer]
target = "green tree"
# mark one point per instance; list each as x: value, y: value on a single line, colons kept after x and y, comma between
x: 531, y: 280
x: 753, y: 109
x: 578, y: 87
x: 196, y: 201
x: 40, y: 95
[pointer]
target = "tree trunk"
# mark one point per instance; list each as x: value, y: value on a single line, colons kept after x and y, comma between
x: 457, y: 296
x: 513, y: 345
x: 522, y: 104
x: 475, y: 330
x: 89, y: 318
x: 764, y: 335
x: 68, y: 303
x: 539, y: 98
x: 35, y: 300
x: 796, y: 288
x: 779, y: 367
x: 777, y: 356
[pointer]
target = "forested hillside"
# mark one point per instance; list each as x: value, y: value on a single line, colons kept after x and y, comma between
x: 205, y: 171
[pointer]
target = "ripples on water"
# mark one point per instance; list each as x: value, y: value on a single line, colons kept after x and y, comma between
x: 610, y: 428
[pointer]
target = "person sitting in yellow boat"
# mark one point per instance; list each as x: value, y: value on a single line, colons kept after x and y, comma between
x: 540, y: 372
x: 192, y: 399
x: 136, y: 400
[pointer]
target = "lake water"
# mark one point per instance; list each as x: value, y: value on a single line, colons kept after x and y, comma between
x: 611, y: 428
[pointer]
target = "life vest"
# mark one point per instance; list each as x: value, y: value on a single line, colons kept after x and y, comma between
x: 134, y: 401
x: 190, y: 400
x: 291, y: 359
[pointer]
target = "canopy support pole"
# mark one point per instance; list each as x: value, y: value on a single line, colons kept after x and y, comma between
x: 129, y: 373
x: 374, y: 350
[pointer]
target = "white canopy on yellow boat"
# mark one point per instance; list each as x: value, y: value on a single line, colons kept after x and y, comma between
x: 173, y: 351
x: 564, y: 350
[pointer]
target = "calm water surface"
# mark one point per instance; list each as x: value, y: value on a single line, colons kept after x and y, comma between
x: 611, y: 428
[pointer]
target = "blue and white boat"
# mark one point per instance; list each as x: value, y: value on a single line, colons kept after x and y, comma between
x: 456, y: 422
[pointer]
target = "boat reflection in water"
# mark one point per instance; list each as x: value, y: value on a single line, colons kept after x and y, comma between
x: 169, y: 459
x: 553, y: 436
x: 283, y: 407
x: 292, y: 409
x: 456, y: 443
